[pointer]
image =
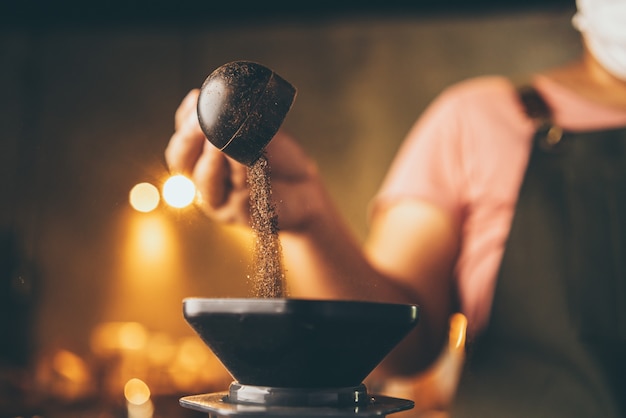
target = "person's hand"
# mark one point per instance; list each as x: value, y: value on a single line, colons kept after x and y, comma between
x: 222, y: 181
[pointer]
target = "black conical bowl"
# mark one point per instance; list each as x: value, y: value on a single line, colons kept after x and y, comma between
x: 297, y: 343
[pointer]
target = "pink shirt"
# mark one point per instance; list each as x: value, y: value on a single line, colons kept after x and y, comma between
x: 467, y: 154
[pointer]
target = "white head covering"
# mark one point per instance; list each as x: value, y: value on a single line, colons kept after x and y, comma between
x: 603, y: 26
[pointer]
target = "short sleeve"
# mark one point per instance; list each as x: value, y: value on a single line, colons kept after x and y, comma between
x: 429, y: 163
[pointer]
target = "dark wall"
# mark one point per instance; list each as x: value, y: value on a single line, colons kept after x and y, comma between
x: 63, y: 12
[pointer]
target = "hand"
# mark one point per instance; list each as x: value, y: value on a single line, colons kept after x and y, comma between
x: 222, y: 181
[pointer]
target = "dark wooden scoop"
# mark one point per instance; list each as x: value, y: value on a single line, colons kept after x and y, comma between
x: 241, y: 106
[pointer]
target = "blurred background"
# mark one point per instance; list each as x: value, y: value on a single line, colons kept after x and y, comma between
x: 90, y: 287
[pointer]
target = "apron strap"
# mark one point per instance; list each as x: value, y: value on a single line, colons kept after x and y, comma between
x: 548, y: 135
x: 555, y: 345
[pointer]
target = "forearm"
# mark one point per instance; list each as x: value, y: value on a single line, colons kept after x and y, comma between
x: 338, y: 270
x: 326, y: 261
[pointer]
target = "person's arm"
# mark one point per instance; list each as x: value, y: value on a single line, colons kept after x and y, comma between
x: 408, y: 258
x: 416, y: 244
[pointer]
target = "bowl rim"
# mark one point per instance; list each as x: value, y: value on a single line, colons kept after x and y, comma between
x: 198, y: 306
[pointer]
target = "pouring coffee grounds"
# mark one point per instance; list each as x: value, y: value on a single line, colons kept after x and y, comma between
x: 240, y: 108
x: 268, y: 277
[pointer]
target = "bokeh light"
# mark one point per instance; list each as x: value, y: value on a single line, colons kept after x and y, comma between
x: 179, y: 191
x: 136, y: 391
x: 144, y: 197
x: 71, y: 367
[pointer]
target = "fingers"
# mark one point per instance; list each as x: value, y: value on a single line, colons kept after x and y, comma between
x: 216, y: 176
x: 235, y: 210
x: 211, y: 176
x: 288, y: 160
x: 222, y: 185
x: 298, y: 205
x: 187, y: 106
x: 222, y: 182
x: 187, y: 142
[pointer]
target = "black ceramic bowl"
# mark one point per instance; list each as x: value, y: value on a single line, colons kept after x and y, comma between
x: 297, y: 343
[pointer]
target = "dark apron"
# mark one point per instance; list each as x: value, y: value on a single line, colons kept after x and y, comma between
x: 556, y: 342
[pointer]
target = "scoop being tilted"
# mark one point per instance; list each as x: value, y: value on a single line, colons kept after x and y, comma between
x: 241, y: 106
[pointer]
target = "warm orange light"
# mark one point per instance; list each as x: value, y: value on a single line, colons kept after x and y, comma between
x: 150, y: 238
x: 136, y: 391
x: 195, y: 366
x: 146, y: 285
x: 70, y: 366
x: 65, y: 376
x: 160, y: 349
x: 133, y: 336
x: 104, y: 338
x: 179, y: 191
x: 144, y: 197
x: 112, y: 337
x: 192, y: 354
x: 457, y: 332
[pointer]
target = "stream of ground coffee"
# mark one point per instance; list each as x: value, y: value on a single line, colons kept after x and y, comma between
x: 268, y: 278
